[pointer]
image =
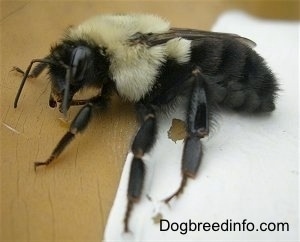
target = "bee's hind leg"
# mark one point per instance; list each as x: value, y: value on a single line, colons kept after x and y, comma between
x: 197, y: 128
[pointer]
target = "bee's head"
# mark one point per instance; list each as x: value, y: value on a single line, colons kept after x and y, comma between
x: 75, y: 66
x: 72, y: 66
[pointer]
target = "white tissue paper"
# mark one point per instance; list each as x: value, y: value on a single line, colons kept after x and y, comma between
x: 249, y: 172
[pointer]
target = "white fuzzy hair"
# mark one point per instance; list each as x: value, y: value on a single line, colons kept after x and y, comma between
x: 134, y: 68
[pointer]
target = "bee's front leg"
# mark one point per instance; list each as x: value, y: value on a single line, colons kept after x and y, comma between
x: 79, y: 123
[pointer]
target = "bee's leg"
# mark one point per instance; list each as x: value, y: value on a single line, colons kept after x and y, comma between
x: 142, y: 144
x: 79, y: 123
x: 73, y: 102
x: 197, y: 128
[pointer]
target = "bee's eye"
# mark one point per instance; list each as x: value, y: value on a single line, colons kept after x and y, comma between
x: 79, y: 62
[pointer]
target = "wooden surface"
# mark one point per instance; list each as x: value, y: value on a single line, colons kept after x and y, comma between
x: 70, y: 200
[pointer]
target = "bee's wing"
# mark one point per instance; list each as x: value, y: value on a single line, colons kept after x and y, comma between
x: 191, y: 34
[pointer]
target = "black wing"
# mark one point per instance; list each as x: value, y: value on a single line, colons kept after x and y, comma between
x: 152, y: 39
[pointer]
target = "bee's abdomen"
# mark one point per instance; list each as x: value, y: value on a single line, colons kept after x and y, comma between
x: 237, y: 77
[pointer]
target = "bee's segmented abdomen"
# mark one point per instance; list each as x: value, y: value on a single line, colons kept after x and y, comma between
x: 237, y: 77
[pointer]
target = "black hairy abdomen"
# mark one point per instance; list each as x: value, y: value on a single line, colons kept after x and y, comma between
x: 236, y: 76
x: 173, y: 81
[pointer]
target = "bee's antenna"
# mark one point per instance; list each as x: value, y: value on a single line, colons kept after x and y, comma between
x: 26, y: 75
x: 66, y: 99
x: 79, y: 56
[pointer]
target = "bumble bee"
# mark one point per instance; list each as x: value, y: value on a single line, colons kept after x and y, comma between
x: 149, y: 63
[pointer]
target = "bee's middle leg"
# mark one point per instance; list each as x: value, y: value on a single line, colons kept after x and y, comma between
x: 142, y: 144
